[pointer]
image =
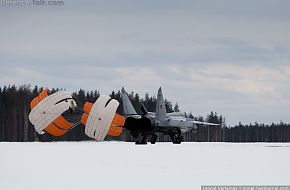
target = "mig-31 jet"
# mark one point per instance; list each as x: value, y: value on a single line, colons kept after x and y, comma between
x: 148, y: 125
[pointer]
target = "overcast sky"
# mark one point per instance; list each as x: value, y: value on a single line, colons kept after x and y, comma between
x: 232, y: 57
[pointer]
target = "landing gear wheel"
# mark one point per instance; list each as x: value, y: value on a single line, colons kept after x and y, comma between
x: 137, y: 142
x: 143, y: 141
x: 153, y: 139
x: 181, y: 139
x: 176, y: 139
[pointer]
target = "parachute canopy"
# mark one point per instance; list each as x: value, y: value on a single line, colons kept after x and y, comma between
x: 49, y: 113
x: 116, y: 125
x: 46, y: 112
x: 100, y: 117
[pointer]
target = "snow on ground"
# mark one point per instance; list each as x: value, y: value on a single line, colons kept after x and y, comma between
x: 119, y: 165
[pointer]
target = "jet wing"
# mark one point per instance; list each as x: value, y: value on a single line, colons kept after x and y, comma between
x: 204, y: 123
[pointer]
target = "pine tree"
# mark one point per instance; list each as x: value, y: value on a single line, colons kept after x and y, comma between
x: 176, y: 107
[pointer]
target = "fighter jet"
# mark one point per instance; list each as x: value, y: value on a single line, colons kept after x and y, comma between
x: 149, y: 125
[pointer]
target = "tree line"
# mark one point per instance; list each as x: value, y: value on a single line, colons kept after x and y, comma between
x: 15, y: 126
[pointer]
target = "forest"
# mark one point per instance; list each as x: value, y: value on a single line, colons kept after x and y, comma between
x: 15, y: 126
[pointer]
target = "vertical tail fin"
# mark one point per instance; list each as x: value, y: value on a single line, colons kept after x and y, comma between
x: 127, y: 105
x: 160, y: 107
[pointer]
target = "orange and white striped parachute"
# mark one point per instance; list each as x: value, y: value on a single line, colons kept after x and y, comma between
x: 100, y: 118
x: 115, y: 127
x: 46, y: 112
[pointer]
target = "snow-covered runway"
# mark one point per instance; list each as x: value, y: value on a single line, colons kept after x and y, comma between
x: 119, y: 165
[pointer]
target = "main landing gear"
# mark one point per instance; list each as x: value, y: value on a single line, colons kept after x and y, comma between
x: 143, y: 139
x: 176, y: 138
x: 153, y: 139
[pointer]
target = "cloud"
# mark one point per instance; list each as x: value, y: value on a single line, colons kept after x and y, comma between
x: 230, y: 57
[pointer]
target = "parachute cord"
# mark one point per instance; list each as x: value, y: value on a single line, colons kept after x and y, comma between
x: 74, y: 125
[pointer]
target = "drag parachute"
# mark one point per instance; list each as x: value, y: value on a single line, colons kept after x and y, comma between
x: 115, y: 128
x: 100, y: 117
x: 58, y: 113
x: 46, y: 112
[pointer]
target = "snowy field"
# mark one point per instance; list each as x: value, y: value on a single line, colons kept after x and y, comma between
x: 119, y: 165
